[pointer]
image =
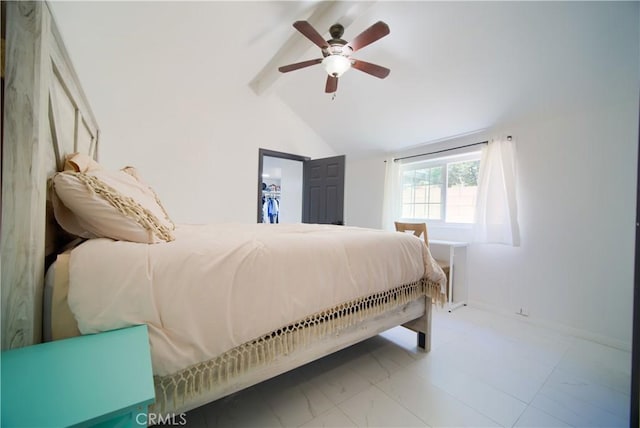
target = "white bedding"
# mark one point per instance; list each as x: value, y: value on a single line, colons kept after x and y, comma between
x: 218, y: 286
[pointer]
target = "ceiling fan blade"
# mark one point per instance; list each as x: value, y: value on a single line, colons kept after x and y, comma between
x: 370, y: 35
x: 310, y: 33
x: 298, y: 65
x: 332, y: 84
x: 372, y: 69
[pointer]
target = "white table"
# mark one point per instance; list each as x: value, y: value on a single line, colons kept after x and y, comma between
x: 452, y: 246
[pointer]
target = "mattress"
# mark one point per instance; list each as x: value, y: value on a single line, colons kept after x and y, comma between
x: 49, y: 280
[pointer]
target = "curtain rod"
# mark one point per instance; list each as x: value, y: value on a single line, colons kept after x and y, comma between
x: 441, y: 151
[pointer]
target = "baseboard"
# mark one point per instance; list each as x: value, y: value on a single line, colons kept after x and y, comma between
x: 560, y: 328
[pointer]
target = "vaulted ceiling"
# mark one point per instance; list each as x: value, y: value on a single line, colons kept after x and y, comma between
x: 456, y: 67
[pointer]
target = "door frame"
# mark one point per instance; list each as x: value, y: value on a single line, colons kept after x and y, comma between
x: 274, y: 154
x: 634, y: 417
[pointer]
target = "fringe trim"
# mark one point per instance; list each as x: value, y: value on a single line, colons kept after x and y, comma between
x: 164, y: 210
x: 126, y: 206
x: 128, y: 170
x: 175, y: 388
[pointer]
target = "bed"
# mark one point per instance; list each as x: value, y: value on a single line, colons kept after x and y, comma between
x: 287, y: 294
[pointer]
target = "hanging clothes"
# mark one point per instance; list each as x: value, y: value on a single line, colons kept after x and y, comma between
x: 273, y: 208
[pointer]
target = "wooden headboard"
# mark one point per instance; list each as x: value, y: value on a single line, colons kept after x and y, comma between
x: 46, y: 117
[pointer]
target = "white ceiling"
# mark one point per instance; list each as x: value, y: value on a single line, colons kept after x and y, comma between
x: 456, y: 67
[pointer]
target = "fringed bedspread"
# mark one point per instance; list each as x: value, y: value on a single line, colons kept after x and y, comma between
x: 217, y: 297
x: 172, y: 390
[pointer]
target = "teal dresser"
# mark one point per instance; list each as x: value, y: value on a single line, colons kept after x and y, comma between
x: 100, y: 379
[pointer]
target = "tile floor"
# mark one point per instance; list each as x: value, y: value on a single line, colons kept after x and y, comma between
x: 484, y: 370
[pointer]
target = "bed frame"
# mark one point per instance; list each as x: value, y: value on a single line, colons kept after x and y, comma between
x: 47, y: 116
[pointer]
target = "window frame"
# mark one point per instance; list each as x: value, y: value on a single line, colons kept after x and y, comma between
x: 431, y: 162
x: 421, y: 165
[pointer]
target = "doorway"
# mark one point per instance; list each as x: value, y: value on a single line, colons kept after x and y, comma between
x: 296, y: 189
x: 280, y: 178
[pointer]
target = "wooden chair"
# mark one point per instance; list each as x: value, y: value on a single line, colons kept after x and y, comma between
x: 420, y: 229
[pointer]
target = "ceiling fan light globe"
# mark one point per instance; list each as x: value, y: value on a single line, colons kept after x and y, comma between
x: 336, y: 65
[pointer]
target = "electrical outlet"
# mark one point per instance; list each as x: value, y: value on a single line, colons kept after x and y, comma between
x: 523, y: 311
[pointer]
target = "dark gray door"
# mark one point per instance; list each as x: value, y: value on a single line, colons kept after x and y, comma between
x: 323, y: 191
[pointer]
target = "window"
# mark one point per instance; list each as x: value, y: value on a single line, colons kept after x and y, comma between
x: 441, y: 190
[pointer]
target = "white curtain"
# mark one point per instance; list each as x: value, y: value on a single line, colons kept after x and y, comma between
x: 496, y: 219
x: 392, y: 188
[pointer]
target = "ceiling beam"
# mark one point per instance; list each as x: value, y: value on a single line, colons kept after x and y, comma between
x: 325, y: 15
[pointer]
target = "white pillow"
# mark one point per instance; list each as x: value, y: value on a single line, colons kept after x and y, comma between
x: 100, y: 203
x: 79, y: 162
x: 133, y: 171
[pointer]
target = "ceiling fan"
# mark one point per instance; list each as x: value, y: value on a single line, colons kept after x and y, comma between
x: 337, y: 52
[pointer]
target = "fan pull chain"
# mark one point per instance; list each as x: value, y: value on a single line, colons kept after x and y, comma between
x: 334, y: 96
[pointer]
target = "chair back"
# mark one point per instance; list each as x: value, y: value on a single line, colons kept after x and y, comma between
x: 418, y: 229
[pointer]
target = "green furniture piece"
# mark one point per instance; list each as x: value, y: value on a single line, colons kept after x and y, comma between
x: 102, y: 379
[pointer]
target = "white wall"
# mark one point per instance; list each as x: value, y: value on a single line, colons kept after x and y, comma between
x: 190, y: 123
x: 576, y: 189
x: 364, y: 179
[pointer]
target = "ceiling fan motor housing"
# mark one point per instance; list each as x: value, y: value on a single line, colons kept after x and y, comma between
x: 336, y: 31
x: 336, y: 45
